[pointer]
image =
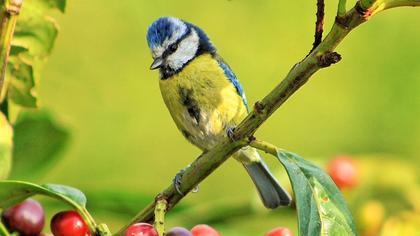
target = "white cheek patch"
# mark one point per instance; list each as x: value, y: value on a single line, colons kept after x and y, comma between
x: 186, y: 51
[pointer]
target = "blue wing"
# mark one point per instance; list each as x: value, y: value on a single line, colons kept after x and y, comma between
x: 232, y: 78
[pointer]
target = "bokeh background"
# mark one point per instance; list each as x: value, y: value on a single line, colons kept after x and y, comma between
x: 124, y: 147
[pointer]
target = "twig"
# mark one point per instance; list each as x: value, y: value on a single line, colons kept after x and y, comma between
x: 160, y: 212
x: 206, y: 163
x: 8, y: 15
x: 319, y: 25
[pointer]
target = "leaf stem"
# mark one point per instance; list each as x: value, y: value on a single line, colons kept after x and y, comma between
x: 160, y: 211
x: 264, y: 146
x: 9, y: 13
x: 93, y: 227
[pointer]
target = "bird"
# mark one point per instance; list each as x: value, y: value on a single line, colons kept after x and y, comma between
x: 204, y: 97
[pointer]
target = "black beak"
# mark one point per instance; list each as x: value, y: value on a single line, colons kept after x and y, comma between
x: 157, y: 63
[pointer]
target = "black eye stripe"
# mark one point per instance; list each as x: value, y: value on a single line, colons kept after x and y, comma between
x: 173, y: 47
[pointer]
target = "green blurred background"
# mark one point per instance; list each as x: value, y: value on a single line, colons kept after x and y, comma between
x: 97, y: 83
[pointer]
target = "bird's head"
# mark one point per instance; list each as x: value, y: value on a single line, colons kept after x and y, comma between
x: 174, y: 43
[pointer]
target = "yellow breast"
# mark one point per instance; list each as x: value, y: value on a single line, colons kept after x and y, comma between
x: 202, y: 101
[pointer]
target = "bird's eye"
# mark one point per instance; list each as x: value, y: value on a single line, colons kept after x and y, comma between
x: 173, y: 48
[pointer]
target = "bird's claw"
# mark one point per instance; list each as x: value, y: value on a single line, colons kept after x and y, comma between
x: 178, y: 181
x: 230, y: 131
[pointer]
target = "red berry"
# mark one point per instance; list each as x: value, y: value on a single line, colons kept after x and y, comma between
x: 280, y: 231
x: 204, y: 230
x: 343, y: 171
x: 27, y: 217
x: 141, y: 229
x: 69, y: 223
x: 178, y: 231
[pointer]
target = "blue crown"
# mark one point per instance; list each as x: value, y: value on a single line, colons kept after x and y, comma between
x: 163, y: 29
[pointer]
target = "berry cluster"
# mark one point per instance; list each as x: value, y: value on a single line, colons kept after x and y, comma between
x: 28, y: 218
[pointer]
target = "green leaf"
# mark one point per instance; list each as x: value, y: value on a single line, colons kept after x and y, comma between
x: 38, y: 143
x: 33, y: 41
x: 73, y: 193
x: 6, y: 142
x: 14, y: 192
x: 320, y: 204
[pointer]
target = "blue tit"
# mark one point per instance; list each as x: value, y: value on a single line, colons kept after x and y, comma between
x: 204, y: 97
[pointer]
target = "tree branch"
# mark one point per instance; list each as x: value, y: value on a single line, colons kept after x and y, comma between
x: 322, y: 56
x: 9, y: 12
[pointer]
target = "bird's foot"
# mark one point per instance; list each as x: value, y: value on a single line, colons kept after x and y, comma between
x: 178, y: 181
x: 230, y: 131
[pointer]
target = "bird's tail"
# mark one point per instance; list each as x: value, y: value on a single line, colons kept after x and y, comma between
x: 270, y: 191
